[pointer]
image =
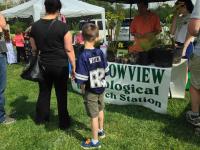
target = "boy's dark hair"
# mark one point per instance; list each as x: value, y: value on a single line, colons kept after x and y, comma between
x: 188, y: 3
x: 90, y: 32
x: 52, y: 6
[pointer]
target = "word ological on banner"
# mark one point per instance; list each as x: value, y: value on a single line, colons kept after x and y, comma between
x: 147, y: 86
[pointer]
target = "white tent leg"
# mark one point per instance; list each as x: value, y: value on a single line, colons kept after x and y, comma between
x: 36, y: 13
x: 103, y: 17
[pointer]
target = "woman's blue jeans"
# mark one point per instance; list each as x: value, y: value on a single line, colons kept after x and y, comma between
x: 2, y: 85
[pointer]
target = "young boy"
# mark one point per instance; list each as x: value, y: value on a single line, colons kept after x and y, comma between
x: 91, y: 70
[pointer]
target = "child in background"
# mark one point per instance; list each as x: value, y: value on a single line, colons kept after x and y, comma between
x: 11, y: 55
x: 179, y: 28
x: 79, y: 38
x: 18, y: 40
x: 91, y: 70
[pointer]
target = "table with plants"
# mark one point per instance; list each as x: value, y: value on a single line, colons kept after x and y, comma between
x: 160, y: 53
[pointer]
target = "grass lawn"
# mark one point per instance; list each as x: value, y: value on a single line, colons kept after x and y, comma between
x: 127, y: 127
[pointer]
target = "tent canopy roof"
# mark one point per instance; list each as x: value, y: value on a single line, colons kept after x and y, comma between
x: 23, y: 10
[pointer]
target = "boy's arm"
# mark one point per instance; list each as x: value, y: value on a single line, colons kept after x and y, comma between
x: 81, y: 76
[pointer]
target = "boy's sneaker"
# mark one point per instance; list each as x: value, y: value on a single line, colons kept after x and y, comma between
x: 8, y: 120
x: 194, y: 120
x: 89, y: 145
x: 101, y: 134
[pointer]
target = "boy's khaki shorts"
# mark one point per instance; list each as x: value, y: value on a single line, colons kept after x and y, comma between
x: 94, y: 103
x: 194, y: 66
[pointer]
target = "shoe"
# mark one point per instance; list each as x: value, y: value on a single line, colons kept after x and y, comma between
x: 8, y: 120
x: 101, y: 134
x: 89, y: 145
x: 194, y: 120
x: 66, y: 125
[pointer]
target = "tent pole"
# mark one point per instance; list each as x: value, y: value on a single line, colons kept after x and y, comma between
x: 103, y: 16
x: 130, y: 15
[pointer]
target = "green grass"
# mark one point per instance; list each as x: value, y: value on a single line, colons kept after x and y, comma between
x: 127, y: 127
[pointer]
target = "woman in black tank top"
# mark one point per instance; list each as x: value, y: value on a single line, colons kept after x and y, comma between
x: 51, y: 39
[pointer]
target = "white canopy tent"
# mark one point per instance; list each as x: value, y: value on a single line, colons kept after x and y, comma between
x: 24, y: 10
x: 70, y: 8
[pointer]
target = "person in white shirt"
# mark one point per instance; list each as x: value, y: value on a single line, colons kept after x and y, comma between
x: 11, y: 55
x: 192, y: 116
x: 179, y: 26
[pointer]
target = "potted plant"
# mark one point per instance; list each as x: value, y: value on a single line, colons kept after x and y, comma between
x: 145, y: 57
x: 167, y: 52
x: 163, y: 51
x: 111, y: 51
x: 163, y: 56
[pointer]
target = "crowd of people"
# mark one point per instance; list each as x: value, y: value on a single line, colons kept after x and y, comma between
x: 18, y: 46
x: 51, y: 40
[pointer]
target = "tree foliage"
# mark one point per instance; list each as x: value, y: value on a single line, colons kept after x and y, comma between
x: 18, y: 25
x: 3, y: 7
x: 164, y: 11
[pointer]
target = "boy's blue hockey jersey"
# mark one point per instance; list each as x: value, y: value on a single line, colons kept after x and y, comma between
x: 91, y: 69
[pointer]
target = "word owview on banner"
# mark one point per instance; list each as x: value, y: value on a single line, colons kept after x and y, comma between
x: 147, y: 86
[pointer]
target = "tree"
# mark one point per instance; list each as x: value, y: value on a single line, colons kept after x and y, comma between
x: 127, y: 12
x: 163, y: 11
x: 10, y: 3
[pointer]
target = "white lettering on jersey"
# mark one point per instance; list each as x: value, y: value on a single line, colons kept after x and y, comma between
x: 95, y: 59
x: 96, y: 78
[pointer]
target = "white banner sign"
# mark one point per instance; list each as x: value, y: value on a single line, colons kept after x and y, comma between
x: 138, y: 85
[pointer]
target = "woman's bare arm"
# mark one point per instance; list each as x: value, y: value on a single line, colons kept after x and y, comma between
x: 194, y: 27
x: 188, y: 39
x: 70, y: 51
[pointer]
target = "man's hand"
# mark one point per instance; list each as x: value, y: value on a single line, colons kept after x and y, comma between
x: 137, y: 35
x: 149, y: 35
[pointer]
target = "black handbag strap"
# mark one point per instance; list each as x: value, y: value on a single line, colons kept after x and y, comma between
x: 50, y: 26
x: 45, y: 38
x: 54, y: 20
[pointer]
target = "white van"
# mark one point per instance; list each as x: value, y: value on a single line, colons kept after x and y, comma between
x: 97, y: 22
x: 124, y: 30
